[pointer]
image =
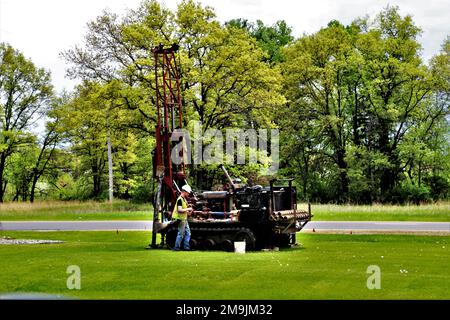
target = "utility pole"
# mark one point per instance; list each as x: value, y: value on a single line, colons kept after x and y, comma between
x: 110, y: 169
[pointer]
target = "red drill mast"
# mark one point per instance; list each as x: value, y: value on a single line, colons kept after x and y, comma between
x: 170, y: 177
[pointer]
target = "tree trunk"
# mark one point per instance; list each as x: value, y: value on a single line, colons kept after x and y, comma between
x: 355, y: 122
x: 16, y: 196
x: 343, y: 177
x: 33, y: 187
x: 388, y: 173
x: 389, y: 176
x: 305, y: 177
x: 387, y: 182
x: 96, y: 180
x: 96, y: 191
x: 124, y: 169
x: 420, y: 173
x: 2, y: 182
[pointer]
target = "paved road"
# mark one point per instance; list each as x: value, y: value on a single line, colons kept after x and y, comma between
x: 379, y: 226
x: 339, y: 226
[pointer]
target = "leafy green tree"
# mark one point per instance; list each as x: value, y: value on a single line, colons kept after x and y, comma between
x: 370, y: 104
x: 316, y: 74
x: 84, y: 123
x: 65, y: 176
x: 87, y: 120
x: 30, y: 162
x: 19, y: 171
x: 434, y: 167
x: 226, y: 81
x: 362, y: 117
x: 396, y: 82
x: 25, y: 92
x: 270, y: 38
x: 46, y: 154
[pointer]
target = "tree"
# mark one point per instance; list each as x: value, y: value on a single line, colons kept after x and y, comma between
x: 87, y: 119
x: 366, y: 95
x: 19, y: 171
x: 25, y: 91
x: 48, y: 144
x: 316, y: 74
x: 433, y: 167
x: 270, y: 38
x: 84, y: 121
x: 224, y: 76
x: 226, y: 81
x: 396, y: 82
x: 362, y: 117
x: 29, y: 162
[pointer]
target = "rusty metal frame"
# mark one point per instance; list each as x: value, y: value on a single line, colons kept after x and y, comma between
x: 169, y: 118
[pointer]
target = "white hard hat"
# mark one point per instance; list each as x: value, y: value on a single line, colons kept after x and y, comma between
x: 186, y: 188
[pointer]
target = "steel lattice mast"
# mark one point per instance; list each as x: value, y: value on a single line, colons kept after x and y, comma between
x: 169, y: 118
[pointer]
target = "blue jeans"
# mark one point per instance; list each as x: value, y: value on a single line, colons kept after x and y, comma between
x: 183, y: 232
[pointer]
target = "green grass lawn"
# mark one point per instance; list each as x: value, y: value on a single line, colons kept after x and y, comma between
x: 116, y: 266
x: 426, y: 212
x: 123, y: 210
x: 74, y: 211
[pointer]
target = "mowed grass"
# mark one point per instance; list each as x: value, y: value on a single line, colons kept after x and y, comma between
x: 116, y: 266
x: 74, y: 210
x: 378, y: 212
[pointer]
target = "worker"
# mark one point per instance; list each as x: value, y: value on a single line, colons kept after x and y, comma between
x: 181, y: 212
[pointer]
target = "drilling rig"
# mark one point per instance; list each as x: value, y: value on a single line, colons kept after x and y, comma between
x: 263, y: 217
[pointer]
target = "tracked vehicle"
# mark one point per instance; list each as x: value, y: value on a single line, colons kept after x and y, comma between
x: 262, y: 216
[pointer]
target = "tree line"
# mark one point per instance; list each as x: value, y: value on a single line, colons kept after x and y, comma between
x: 362, y: 117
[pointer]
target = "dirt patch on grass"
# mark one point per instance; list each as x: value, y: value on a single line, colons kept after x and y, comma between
x: 12, y: 241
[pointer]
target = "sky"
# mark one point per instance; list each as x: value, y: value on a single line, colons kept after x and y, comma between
x: 42, y: 29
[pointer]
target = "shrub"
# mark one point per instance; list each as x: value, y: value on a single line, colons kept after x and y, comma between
x: 439, y: 187
x: 409, y: 193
